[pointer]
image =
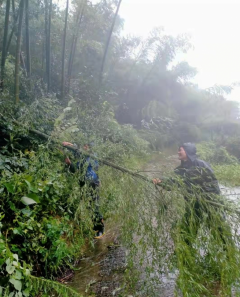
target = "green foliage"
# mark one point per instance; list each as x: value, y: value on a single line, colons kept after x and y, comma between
x: 233, y: 146
x: 16, y: 279
x: 228, y: 174
x: 186, y: 132
x: 44, y: 221
x: 97, y: 124
x: 214, y: 153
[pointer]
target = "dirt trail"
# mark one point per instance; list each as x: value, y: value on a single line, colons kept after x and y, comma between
x: 100, y: 272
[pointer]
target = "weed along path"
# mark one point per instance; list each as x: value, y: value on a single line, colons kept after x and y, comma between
x: 101, y: 271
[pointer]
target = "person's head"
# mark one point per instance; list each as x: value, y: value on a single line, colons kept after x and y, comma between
x: 182, y: 156
x: 86, y: 147
x: 187, y: 151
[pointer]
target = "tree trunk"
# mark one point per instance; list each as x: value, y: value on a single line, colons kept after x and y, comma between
x: 13, y: 8
x: 43, y: 58
x: 4, y: 48
x: 14, y: 31
x: 63, y: 52
x: 14, y: 28
x: 18, y: 50
x: 74, y: 44
x: 28, y: 56
x: 108, y: 41
x: 46, y: 44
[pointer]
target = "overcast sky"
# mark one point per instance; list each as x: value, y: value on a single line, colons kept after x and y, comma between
x: 214, y: 26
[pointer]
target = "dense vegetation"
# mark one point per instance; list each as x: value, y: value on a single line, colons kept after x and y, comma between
x: 70, y: 73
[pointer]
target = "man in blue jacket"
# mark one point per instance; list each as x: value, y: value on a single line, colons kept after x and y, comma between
x: 88, y: 168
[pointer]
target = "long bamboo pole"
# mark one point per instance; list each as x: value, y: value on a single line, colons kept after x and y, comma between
x: 110, y: 164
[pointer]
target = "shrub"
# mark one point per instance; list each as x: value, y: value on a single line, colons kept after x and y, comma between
x: 211, y: 152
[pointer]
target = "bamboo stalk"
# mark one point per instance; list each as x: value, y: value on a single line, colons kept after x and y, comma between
x: 108, y: 41
x: 18, y: 50
x: 63, y: 51
x: 28, y: 55
x: 110, y: 164
x: 4, y: 47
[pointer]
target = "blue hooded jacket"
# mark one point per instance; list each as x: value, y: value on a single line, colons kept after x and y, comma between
x: 90, y: 167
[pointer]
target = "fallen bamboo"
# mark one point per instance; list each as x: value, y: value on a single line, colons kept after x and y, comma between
x: 107, y: 163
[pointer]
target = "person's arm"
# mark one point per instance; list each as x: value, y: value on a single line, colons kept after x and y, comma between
x: 72, y: 168
x: 166, y: 183
x: 157, y: 181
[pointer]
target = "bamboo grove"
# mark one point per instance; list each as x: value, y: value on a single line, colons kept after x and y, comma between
x: 17, y: 15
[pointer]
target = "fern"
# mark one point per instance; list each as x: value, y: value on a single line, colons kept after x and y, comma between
x: 44, y: 285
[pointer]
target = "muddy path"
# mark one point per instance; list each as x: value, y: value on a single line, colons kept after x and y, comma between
x: 100, y: 272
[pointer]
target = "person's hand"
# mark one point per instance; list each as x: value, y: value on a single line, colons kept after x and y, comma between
x: 156, y: 181
x: 68, y: 161
x: 67, y: 143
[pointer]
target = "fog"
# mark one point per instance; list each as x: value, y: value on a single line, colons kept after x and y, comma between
x: 213, y: 27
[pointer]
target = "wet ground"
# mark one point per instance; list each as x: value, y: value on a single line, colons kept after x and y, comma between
x: 101, y: 270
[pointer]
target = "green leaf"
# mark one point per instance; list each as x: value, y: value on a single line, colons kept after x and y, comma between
x: 10, y: 187
x: 16, y: 231
x: 1, y: 262
x: 8, y: 261
x: 27, y: 201
x: 15, y: 256
x: 17, y: 284
x: 26, y: 212
x: 18, y: 274
x: 27, y: 272
x: 31, y: 187
x: 34, y: 197
x: 29, y: 178
x: 26, y: 293
x: 10, y: 269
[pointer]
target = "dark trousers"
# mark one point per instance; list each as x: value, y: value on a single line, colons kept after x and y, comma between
x: 97, y: 217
